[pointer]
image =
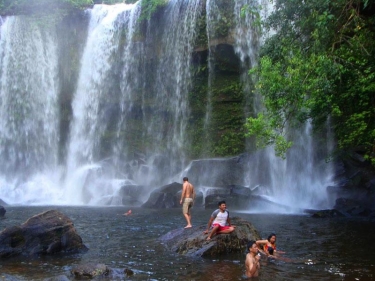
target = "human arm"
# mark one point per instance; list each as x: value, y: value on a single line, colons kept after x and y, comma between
x: 252, y: 265
x: 260, y: 244
x: 279, y: 252
x: 183, y: 192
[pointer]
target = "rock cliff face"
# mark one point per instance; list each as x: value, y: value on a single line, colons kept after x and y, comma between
x: 47, y: 233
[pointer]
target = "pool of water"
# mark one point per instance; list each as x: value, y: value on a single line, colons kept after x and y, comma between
x: 318, y: 249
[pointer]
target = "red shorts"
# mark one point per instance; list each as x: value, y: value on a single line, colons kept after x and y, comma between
x: 220, y: 227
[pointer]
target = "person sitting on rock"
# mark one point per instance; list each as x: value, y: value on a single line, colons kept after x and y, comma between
x: 219, y: 222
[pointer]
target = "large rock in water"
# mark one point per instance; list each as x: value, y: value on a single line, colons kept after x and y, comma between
x: 46, y: 233
x: 164, y: 197
x: 192, y: 241
x: 2, y: 211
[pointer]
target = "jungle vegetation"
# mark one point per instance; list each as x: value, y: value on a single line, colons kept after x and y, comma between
x: 318, y: 65
x: 11, y: 7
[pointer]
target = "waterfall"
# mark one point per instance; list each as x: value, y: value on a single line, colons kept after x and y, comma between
x: 129, y: 100
x: 172, y: 85
x: 301, y: 180
x: 92, y: 105
x: 130, y: 107
x: 28, y: 108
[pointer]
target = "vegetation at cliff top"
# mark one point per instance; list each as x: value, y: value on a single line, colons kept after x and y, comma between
x: 319, y: 65
x: 14, y: 7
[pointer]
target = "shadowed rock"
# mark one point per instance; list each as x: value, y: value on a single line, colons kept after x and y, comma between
x: 192, y: 241
x: 164, y: 197
x: 46, y: 233
x: 2, y: 211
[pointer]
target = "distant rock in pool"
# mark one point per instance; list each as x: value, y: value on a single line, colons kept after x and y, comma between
x: 46, y: 233
x: 2, y: 211
x: 192, y: 241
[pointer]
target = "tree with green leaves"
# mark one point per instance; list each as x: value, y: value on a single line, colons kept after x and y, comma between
x: 319, y: 63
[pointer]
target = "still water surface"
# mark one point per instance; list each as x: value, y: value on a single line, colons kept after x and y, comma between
x: 320, y: 249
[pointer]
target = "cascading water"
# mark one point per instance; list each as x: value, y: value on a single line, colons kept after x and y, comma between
x: 130, y: 110
x: 300, y: 181
x: 29, y: 110
x: 90, y: 107
x: 151, y: 107
x: 172, y: 85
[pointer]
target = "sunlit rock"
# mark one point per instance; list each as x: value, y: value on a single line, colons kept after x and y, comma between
x: 89, y: 270
x: 192, y: 242
x: 46, y: 233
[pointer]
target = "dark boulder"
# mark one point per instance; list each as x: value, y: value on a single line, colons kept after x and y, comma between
x: 352, y: 207
x: 192, y: 241
x: 89, y: 270
x: 331, y: 213
x: 165, y: 197
x: 132, y: 195
x: 2, y: 211
x: 46, y: 233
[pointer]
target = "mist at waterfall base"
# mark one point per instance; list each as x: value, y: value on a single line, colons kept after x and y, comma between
x: 111, y: 79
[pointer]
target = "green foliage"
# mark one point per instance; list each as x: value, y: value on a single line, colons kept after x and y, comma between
x: 319, y: 64
x: 253, y: 12
x: 149, y: 7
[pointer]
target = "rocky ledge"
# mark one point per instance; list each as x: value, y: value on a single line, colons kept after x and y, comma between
x: 192, y: 241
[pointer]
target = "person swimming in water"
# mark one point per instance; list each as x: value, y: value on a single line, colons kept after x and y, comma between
x: 252, y: 262
x: 269, y: 246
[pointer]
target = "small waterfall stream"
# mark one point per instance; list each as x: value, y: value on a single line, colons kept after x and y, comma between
x: 301, y: 179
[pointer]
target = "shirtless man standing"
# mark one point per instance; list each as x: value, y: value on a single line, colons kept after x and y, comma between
x: 252, y: 260
x: 187, y: 198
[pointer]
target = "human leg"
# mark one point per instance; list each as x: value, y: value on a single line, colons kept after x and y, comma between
x: 186, y: 212
x: 213, y: 232
x: 226, y: 230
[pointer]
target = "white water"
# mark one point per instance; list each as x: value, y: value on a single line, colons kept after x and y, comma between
x: 89, y: 122
x: 168, y: 94
x: 29, y: 112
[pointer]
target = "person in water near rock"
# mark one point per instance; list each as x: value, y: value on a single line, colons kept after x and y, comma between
x: 269, y: 245
x: 187, y: 200
x: 252, y: 263
x: 219, y: 222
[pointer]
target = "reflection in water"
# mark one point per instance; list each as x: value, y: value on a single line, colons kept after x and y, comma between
x: 321, y: 249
